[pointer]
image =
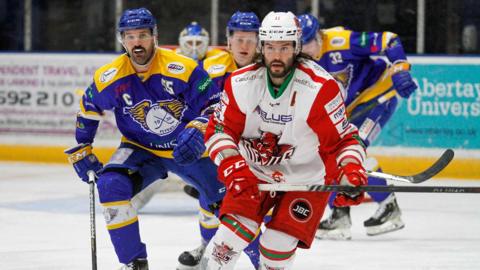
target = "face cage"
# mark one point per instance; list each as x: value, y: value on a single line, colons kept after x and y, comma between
x: 194, y: 51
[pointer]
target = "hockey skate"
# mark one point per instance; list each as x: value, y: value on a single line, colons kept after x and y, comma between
x: 336, y: 226
x: 190, y: 260
x: 137, y: 264
x: 386, y: 219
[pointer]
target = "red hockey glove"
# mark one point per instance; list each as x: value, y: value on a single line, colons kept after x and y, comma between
x: 351, y: 174
x: 238, y: 178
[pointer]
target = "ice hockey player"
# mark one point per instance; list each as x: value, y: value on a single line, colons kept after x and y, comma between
x: 193, y: 42
x: 242, y: 40
x: 161, y: 101
x: 371, y: 90
x: 282, y: 120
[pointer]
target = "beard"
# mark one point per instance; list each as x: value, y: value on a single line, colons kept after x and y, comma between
x: 279, y: 69
x: 141, y: 55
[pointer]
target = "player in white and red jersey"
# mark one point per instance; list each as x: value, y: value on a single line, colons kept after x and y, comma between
x: 279, y: 121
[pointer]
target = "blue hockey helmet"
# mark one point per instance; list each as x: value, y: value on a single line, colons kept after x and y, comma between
x: 310, y: 27
x: 137, y: 19
x: 243, y: 21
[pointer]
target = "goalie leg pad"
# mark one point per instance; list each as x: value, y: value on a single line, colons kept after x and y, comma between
x: 277, y: 250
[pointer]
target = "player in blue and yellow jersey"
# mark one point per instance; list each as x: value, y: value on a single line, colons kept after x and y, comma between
x: 242, y: 40
x: 161, y: 101
x: 371, y: 88
x: 193, y: 42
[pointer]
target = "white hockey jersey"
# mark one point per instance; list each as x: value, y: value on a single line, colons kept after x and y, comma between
x: 295, y: 135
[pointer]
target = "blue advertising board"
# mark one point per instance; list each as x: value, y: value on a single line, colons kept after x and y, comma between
x: 444, y: 112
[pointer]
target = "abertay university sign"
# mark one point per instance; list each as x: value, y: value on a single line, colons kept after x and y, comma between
x: 445, y: 109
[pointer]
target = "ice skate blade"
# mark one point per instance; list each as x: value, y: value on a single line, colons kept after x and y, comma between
x: 389, y: 226
x: 337, y: 234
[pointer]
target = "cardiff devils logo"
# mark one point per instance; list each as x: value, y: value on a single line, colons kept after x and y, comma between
x: 266, y: 151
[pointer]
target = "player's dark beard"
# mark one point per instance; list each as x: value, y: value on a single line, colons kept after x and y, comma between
x: 140, y: 55
x: 280, y: 74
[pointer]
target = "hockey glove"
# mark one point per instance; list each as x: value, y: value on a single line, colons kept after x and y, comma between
x: 351, y: 174
x: 403, y: 83
x: 190, y: 146
x: 238, y: 178
x: 83, y: 160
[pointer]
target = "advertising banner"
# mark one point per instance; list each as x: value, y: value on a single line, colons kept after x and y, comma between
x: 40, y: 92
x: 444, y: 112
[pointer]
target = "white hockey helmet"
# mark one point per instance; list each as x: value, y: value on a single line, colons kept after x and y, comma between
x: 279, y: 26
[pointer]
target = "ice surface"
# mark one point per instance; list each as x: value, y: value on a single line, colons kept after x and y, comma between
x: 44, y: 224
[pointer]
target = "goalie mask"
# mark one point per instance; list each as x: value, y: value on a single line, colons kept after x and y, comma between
x: 193, y: 41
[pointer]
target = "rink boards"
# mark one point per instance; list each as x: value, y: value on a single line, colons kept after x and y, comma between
x: 39, y: 95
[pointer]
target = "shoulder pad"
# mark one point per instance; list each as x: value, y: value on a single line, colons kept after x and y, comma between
x: 336, y: 38
x: 214, y: 51
x: 173, y: 65
x: 314, y: 67
x: 219, y: 64
x: 109, y: 73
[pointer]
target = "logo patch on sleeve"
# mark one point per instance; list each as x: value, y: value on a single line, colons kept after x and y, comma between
x: 216, y: 69
x: 176, y: 68
x: 334, y: 103
x: 337, y: 41
x: 108, y: 75
x: 338, y: 115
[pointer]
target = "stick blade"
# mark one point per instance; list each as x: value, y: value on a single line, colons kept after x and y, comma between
x: 433, y: 170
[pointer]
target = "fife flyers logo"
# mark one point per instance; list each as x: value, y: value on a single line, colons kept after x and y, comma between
x: 266, y: 151
x: 344, y: 76
x: 160, y: 118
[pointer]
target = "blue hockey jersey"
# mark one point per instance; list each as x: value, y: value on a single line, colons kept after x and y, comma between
x: 150, y: 108
x: 346, y: 55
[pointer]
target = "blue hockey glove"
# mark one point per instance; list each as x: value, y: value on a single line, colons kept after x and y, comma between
x: 190, y: 146
x: 403, y: 83
x: 83, y: 160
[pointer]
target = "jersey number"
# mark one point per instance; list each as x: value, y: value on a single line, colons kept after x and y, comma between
x: 336, y: 57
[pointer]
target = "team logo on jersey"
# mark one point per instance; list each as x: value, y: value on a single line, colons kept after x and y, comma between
x: 221, y: 107
x: 337, y: 41
x: 216, y: 69
x: 160, y: 118
x: 176, y: 68
x: 266, y: 151
x: 108, y: 75
x: 222, y: 253
x: 344, y: 76
x: 301, y: 210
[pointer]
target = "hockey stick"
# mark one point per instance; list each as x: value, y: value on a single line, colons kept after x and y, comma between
x: 430, y: 172
x: 93, y: 234
x: 337, y: 188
